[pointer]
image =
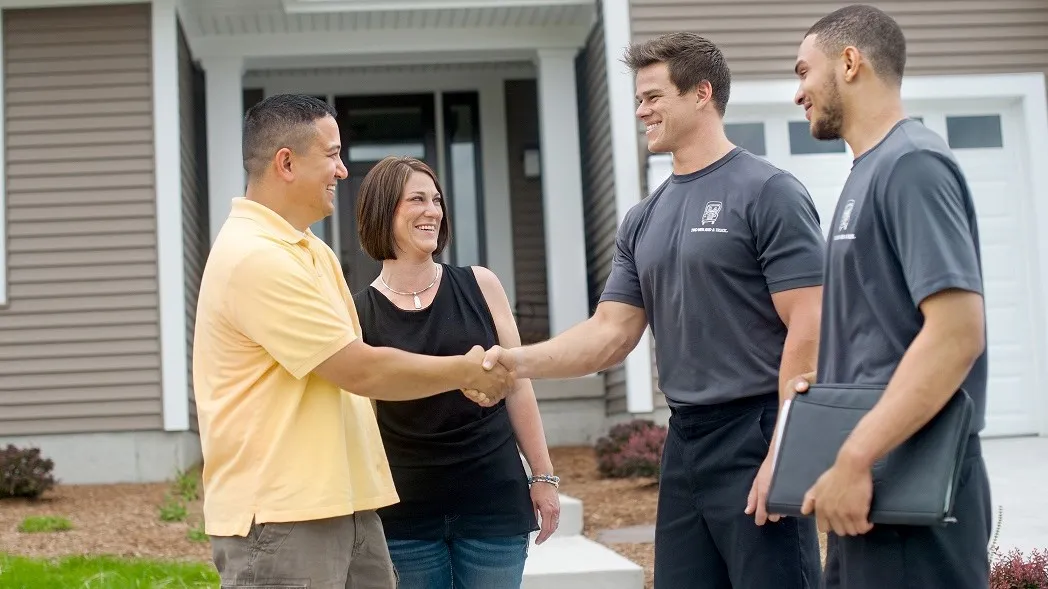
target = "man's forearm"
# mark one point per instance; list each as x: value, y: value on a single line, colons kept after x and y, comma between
x: 931, y: 371
x: 586, y: 348
x: 799, y: 356
x: 395, y: 375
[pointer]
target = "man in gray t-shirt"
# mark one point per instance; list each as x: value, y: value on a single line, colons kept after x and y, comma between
x: 902, y: 306
x: 724, y: 262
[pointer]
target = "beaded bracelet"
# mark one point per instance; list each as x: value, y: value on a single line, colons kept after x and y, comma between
x: 545, y: 478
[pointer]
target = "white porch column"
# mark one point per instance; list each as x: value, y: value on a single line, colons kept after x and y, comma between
x: 624, y: 137
x: 225, y: 114
x: 562, y: 190
x: 167, y: 153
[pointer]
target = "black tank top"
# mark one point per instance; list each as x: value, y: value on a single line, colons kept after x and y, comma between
x: 450, y: 458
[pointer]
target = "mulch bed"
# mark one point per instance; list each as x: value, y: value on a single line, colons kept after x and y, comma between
x: 124, y: 519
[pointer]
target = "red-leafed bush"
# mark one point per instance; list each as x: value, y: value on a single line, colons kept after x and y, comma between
x: 631, y: 449
x: 1017, y: 571
x: 24, y: 473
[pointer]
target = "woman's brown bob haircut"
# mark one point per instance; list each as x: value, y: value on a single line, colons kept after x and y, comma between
x: 380, y: 193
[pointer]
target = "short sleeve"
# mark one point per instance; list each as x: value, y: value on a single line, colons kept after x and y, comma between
x: 787, y: 235
x: 929, y: 226
x: 278, y: 303
x: 623, y: 284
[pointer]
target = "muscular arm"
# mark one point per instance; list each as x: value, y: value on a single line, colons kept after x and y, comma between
x: 598, y: 343
x: 931, y: 371
x: 800, y: 309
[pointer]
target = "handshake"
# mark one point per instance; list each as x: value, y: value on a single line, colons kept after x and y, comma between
x: 489, y: 376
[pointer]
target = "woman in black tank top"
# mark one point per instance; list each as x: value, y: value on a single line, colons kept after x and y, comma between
x: 466, y: 508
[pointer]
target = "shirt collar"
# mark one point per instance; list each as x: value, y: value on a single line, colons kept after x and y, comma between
x: 270, y: 221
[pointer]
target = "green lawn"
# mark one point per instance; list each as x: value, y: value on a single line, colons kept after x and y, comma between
x: 83, y: 572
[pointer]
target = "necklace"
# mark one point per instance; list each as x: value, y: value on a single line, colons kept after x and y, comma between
x: 418, y: 303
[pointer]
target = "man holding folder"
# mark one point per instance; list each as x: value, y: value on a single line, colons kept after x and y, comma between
x: 902, y: 307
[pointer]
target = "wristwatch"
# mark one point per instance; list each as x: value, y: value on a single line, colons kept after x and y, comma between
x: 545, y: 478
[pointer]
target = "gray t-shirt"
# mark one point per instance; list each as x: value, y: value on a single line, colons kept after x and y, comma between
x: 905, y: 228
x: 702, y: 256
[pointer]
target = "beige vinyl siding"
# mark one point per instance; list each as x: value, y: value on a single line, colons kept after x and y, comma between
x: 760, y: 37
x: 195, y: 234
x: 79, y: 341
x: 529, y: 241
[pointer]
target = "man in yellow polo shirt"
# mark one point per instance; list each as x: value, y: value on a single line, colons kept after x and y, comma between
x: 294, y: 467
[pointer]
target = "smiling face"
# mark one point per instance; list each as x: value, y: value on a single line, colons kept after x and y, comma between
x: 419, y: 216
x: 670, y: 117
x: 317, y: 170
x: 819, y: 92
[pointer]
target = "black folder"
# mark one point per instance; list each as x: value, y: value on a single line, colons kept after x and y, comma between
x: 914, y: 484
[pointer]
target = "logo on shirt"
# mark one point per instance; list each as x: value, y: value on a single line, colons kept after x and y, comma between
x: 842, y: 226
x: 712, y: 211
x: 709, y: 217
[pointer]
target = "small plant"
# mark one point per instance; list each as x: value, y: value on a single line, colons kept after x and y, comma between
x: 46, y: 523
x: 631, y: 449
x: 25, y: 473
x: 187, y: 486
x: 173, y: 510
x: 1015, y: 571
x: 197, y: 533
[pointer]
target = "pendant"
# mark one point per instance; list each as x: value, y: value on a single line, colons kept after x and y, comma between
x: 418, y: 303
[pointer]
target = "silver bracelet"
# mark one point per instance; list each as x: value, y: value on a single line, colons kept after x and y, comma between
x: 545, y: 478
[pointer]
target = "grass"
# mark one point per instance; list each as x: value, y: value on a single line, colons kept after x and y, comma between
x: 46, y: 523
x: 95, y: 572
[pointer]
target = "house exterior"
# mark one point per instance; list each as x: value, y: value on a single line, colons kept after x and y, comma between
x: 121, y: 134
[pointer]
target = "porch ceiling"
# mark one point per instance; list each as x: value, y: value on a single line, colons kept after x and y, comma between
x: 218, y: 18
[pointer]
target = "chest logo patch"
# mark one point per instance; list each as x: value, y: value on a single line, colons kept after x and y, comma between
x: 842, y: 226
x: 709, y: 217
x: 712, y: 211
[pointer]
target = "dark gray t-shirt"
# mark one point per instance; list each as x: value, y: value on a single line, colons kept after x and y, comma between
x: 904, y: 229
x: 702, y: 256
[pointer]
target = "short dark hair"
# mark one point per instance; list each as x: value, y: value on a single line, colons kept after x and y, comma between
x: 690, y: 59
x: 279, y: 121
x: 868, y: 29
x: 377, y: 201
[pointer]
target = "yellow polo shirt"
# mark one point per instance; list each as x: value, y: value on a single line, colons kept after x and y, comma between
x: 280, y: 443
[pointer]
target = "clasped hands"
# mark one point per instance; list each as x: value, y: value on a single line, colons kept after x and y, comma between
x: 491, y: 375
x: 840, y: 498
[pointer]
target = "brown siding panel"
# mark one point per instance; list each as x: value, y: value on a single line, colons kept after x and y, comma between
x: 195, y: 234
x: 79, y: 340
x: 529, y: 243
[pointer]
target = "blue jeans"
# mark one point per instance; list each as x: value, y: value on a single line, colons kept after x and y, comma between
x: 462, y: 563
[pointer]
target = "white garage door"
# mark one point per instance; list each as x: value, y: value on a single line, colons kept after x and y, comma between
x: 986, y: 139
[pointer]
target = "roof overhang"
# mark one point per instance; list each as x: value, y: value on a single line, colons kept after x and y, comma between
x: 330, y: 6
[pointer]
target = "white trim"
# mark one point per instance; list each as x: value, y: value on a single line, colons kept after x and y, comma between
x: 170, y: 255
x: 562, y: 209
x: 1026, y: 88
x: 224, y: 100
x: 334, y: 6
x: 498, y: 214
x: 616, y: 14
x: 391, y: 41
x: 3, y: 172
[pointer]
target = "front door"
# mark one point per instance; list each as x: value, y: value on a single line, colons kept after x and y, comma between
x: 373, y: 127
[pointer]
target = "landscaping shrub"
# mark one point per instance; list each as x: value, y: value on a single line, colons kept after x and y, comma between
x: 631, y: 449
x: 1015, y: 571
x: 24, y: 473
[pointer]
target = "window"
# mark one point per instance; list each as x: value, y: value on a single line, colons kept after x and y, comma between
x: 802, y: 143
x: 749, y: 136
x: 974, y: 132
x: 462, y: 180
